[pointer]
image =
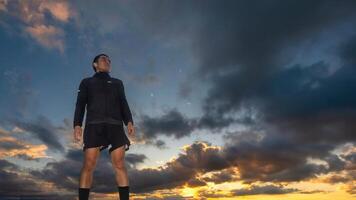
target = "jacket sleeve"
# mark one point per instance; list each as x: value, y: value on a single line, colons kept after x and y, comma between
x: 80, y: 104
x: 125, y: 111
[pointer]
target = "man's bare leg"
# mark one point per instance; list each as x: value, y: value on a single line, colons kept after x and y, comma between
x: 118, y: 163
x: 91, y: 156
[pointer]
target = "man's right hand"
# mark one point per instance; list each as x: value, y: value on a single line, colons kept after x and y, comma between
x: 77, y: 133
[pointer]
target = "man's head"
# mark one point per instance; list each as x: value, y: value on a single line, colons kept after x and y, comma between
x: 101, y: 63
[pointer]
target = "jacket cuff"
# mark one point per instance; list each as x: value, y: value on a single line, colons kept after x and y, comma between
x: 127, y: 122
x: 77, y: 124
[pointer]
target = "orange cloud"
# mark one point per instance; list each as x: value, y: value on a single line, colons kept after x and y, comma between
x: 60, y: 10
x: 11, y: 147
x: 49, y: 36
x: 32, y: 13
x: 3, y: 5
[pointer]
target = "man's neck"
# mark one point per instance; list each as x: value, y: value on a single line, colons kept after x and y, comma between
x: 102, y: 74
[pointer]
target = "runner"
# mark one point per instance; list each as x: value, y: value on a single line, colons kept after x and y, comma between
x: 103, y: 97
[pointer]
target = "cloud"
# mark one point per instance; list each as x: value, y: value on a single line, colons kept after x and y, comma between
x: 135, y: 159
x: 59, y: 9
x: 265, y: 160
x: 13, y: 147
x: 228, y: 55
x: 222, y: 176
x: 267, y: 189
x: 3, y: 4
x: 305, y: 110
x: 175, y: 173
x: 33, y: 15
x: 15, y: 182
x: 48, y: 36
x: 41, y: 128
x: 172, y: 123
x: 269, y: 160
x: 73, y: 159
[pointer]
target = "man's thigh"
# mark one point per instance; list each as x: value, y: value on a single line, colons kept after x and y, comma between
x: 91, y: 155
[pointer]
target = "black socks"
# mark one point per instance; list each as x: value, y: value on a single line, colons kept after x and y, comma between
x: 83, y: 193
x: 124, y: 192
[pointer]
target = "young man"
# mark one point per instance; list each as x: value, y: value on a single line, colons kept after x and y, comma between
x: 107, y: 109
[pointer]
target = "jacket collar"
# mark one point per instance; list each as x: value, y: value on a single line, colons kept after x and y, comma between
x: 102, y: 75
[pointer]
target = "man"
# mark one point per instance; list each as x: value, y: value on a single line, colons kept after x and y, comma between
x: 104, y: 99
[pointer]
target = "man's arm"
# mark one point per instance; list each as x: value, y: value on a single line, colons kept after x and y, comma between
x: 125, y: 111
x: 80, y: 104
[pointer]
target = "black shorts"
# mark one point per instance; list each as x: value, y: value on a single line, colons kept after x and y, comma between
x: 104, y: 134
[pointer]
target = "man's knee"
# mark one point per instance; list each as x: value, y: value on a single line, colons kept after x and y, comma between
x: 119, y: 164
x: 89, y: 165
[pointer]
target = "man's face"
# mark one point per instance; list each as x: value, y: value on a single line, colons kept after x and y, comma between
x: 104, y: 64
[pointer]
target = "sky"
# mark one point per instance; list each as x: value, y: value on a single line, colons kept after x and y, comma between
x: 230, y: 99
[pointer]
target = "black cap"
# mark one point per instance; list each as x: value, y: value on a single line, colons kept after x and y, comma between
x: 95, y: 60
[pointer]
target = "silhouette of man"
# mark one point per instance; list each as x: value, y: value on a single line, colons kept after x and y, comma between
x: 103, y: 97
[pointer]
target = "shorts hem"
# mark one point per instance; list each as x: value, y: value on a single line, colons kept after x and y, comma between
x: 102, y: 147
x: 113, y: 147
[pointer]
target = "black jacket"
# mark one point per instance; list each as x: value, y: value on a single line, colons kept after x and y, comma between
x: 104, y: 99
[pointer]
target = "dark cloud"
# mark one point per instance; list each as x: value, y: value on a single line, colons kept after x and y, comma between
x: 223, y: 176
x: 347, y: 50
x: 175, y: 124
x: 196, y: 183
x: 135, y: 159
x: 338, y: 179
x: 171, y: 123
x: 248, y: 37
x: 212, y: 193
x: 268, y: 189
x: 260, y: 159
x: 275, y: 159
x: 71, y: 164
x: 268, y: 157
x: 42, y: 128
x: 53, y: 171
x: 244, y: 57
x: 197, y: 157
x: 16, y: 183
